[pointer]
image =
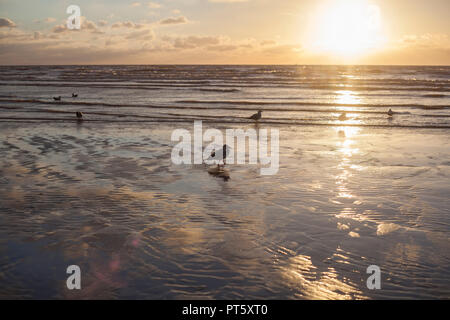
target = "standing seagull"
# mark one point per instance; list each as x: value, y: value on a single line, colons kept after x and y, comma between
x: 343, y: 116
x: 256, y: 116
x: 79, y: 116
x: 390, y: 113
x: 220, y: 155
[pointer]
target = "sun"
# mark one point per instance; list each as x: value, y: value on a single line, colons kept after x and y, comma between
x: 346, y: 28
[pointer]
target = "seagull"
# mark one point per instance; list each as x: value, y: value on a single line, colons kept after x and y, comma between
x: 220, y: 155
x: 57, y: 98
x: 256, y: 116
x: 390, y: 113
x: 79, y: 115
x: 74, y: 95
x: 343, y: 116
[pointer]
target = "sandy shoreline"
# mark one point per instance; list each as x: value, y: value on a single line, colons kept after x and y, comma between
x: 107, y: 197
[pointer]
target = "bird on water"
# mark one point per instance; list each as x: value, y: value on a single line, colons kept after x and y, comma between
x: 256, y: 116
x: 57, y: 98
x: 79, y: 115
x: 343, y: 116
x: 220, y: 155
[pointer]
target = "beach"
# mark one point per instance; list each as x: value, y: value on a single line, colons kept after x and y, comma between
x: 103, y: 193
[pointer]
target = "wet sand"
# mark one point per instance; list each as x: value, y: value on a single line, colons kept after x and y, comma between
x: 105, y: 196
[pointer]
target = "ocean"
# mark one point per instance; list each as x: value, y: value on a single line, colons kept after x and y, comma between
x: 103, y: 194
x: 286, y: 94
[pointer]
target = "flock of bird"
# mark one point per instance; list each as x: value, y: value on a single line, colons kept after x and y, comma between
x: 79, y: 114
x: 343, y: 116
x: 256, y: 117
x: 221, y: 154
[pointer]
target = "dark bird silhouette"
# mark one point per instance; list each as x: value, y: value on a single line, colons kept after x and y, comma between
x: 74, y: 95
x: 220, y: 154
x: 390, y: 113
x: 256, y: 116
x: 57, y: 98
x: 343, y: 116
x: 79, y: 115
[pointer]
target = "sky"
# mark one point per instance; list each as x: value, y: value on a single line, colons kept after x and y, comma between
x: 405, y: 32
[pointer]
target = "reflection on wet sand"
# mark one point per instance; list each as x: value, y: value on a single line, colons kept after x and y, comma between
x: 219, y: 172
x: 346, y: 148
x: 140, y: 227
x: 302, y: 275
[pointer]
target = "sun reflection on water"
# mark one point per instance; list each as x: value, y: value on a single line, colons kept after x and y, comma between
x: 347, y: 97
x: 346, y: 148
x: 347, y: 101
x: 312, y: 284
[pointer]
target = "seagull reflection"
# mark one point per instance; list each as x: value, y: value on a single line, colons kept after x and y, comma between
x: 219, y: 172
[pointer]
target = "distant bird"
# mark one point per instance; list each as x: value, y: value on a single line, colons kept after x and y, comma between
x: 79, y: 115
x: 343, y: 116
x: 256, y: 116
x: 74, y: 95
x: 57, y: 98
x: 390, y: 113
x: 220, y: 154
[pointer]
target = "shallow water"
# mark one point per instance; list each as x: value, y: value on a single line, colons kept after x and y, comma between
x: 107, y: 198
x: 419, y: 96
x: 103, y: 193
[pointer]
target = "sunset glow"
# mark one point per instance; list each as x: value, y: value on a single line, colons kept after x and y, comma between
x: 346, y: 28
x: 373, y: 32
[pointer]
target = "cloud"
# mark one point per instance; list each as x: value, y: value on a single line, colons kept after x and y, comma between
x: 42, y: 52
x: 146, y: 34
x: 173, y: 20
x: 427, y: 40
x: 7, y: 23
x: 14, y: 34
x: 192, y: 42
x: 222, y: 47
x: 89, y: 25
x: 268, y: 42
x: 127, y: 24
x: 227, y: 1
x: 282, y: 50
x: 86, y: 25
x: 37, y: 35
x: 154, y: 5
x: 59, y: 28
x: 138, y: 46
x: 421, y: 49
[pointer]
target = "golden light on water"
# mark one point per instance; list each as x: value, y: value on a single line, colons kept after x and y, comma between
x: 347, y: 147
x: 347, y: 97
x: 349, y: 101
x: 301, y: 274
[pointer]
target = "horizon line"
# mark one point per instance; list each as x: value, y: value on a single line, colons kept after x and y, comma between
x: 220, y: 64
